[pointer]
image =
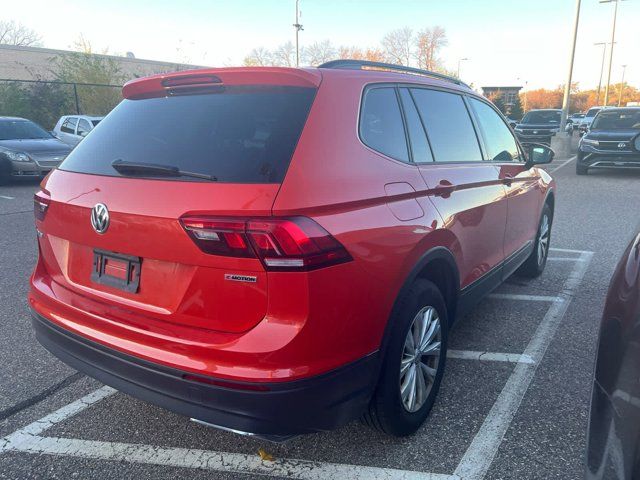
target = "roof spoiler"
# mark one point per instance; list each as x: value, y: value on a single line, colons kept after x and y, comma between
x: 214, y: 79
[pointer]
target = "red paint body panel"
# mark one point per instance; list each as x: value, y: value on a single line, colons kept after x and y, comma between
x: 285, y: 325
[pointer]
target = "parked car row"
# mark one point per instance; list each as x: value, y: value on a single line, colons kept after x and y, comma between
x: 28, y: 150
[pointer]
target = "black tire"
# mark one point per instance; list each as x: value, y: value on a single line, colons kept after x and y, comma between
x: 5, y: 171
x: 387, y: 411
x: 535, y: 263
x: 581, y: 169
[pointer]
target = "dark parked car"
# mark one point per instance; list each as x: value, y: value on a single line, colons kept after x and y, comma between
x: 538, y: 126
x: 614, y: 427
x: 609, y: 142
x: 27, y: 149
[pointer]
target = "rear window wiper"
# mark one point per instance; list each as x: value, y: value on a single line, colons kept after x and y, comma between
x: 132, y: 168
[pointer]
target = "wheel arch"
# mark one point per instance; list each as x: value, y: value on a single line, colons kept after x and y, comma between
x: 438, y: 265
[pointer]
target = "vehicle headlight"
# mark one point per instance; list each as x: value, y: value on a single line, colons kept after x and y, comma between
x: 17, y: 156
x: 588, y: 141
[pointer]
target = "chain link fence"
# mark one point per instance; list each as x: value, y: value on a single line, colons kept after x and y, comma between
x: 44, y: 102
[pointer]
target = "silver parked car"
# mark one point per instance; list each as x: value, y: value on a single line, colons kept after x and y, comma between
x: 73, y: 128
x: 27, y: 149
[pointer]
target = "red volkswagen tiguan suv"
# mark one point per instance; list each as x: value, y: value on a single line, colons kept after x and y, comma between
x: 278, y: 251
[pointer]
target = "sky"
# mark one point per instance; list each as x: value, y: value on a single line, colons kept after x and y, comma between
x: 507, y: 42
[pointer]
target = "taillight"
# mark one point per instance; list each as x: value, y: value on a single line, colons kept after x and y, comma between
x: 290, y: 244
x: 41, y: 201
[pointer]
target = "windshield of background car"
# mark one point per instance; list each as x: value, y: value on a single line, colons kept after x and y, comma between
x: 617, y: 119
x: 21, y: 130
x: 592, y: 112
x: 542, y: 117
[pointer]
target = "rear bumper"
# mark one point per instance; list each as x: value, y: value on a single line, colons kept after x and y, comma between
x: 276, y: 410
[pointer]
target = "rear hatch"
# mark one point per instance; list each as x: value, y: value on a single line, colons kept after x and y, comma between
x: 123, y: 216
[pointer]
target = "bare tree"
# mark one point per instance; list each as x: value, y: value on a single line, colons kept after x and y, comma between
x: 12, y: 33
x: 285, y: 55
x: 259, y: 57
x: 428, y: 44
x: 398, y: 46
x: 319, y: 52
x: 357, y: 53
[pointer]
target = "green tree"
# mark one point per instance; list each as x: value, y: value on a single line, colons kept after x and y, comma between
x: 516, y: 111
x: 84, y: 66
x: 499, y: 102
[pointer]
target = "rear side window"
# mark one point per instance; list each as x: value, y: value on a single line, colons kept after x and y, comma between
x: 242, y: 134
x: 69, y: 125
x: 448, y: 124
x: 83, y: 126
x: 501, y: 146
x: 381, y: 126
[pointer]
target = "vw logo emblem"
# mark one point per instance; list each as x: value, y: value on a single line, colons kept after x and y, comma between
x: 100, y: 218
x: 622, y: 145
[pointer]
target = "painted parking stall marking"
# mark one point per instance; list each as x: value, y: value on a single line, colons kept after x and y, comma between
x: 474, y: 464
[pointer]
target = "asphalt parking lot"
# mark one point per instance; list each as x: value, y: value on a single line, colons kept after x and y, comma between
x: 513, y: 405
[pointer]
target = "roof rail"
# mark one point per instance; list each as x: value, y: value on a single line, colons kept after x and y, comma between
x: 367, y: 65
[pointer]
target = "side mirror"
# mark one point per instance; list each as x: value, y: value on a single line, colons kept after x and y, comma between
x: 538, y: 154
x: 635, y: 143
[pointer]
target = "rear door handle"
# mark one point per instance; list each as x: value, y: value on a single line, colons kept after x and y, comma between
x: 507, y: 180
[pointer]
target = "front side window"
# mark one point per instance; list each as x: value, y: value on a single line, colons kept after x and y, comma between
x: 69, y: 125
x: 381, y: 125
x: 501, y: 146
x: 448, y: 125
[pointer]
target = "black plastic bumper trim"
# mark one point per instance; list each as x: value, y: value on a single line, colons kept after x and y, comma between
x: 319, y: 403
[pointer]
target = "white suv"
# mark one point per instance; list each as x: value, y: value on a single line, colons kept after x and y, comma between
x: 73, y: 128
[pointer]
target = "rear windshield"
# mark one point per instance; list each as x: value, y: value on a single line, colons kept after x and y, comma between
x: 242, y: 134
x: 542, y: 117
x: 617, y: 119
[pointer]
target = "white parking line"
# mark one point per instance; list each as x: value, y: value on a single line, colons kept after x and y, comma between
x: 568, y: 250
x: 479, y: 456
x: 490, y: 356
x: 29, y: 440
x: 218, y: 461
x: 563, y: 164
x: 7, y: 198
x: 565, y: 259
x: 528, y: 298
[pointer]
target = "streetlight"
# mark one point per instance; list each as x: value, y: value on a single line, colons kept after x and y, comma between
x: 624, y: 68
x: 604, y: 51
x: 613, y: 39
x: 567, y: 87
x: 298, y: 27
x: 459, y: 62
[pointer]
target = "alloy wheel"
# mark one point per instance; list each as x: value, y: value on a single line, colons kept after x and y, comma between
x: 543, y: 239
x: 420, y: 359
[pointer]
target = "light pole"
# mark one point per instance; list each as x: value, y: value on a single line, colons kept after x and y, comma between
x: 567, y: 87
x: 459, y: 62
x: 613, y: 39
x: 298, y: 27
x: 604, y: 51
x: 624, y: 69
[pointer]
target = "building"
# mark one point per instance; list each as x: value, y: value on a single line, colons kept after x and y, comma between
x: 509, y: 94
x: 33, y: 63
